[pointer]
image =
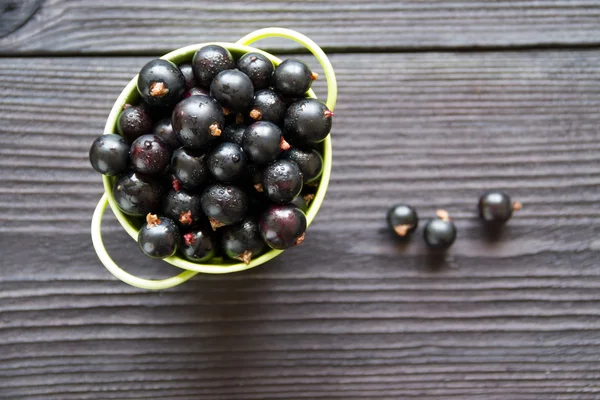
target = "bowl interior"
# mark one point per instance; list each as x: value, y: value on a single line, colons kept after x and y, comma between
x: 217, y: 265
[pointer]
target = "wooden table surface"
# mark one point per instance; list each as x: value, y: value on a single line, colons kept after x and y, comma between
x: 438, y: 101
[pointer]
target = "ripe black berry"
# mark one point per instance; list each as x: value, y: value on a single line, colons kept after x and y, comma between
x: 161, y: 83
x: 267, y: 106
x: 402, y: 219
x: 258, y: 68
x: 197, y: 121
x: 309, y: 161
x: 282, y: 181
x: 497, y: 207
x: 159, y: 237
x: 134, y: 122
x: 188, y: 75
x: 208, y: 61
x: 149, y: 155
x: 307, y: 121
x: 233, y: 89
x: 164, y: 131
x: 242, y: 241
x: 198, y: 245
x: 293, y: 78
x: 300, y: 203
x: 196, y: 91
x: 224, y: 204
x: 263, y: 142
x: 109, y: 154
x: 189, y: 168
x: 183, y: 207
x: 439, y: 233
x: 227, y: 162
x: 137, y: 194
x: 233, y: 133
x: 282, y: 226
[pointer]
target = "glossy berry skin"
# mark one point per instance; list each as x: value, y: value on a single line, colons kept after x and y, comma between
x: 137, y: 194
x: 307, y: 121
x: 292, y: 78
x: 159, y: 238
x: 188, y: 74
x: 300, y: 203
x: 197, y: 121
x: 189, y: 168
x: 402, y: 220
x: 224, y: 204
x: 309, y: 161
x: 184, y: 208
x: 164, y: 131
x: 282, y: 227
x: 243, y: 241
x: 232, y: 89
x: 161, y: 83
x: 233, y: 133
x: 133, y: 122
x: 109, y: 154
x: 282, y: 181
x: 227, y: 162
x: 495, y: 207
x: 208, y: 61
x: 262, y: 142
x: 258, y: 68
x: 149, y: 155
x: 198, y: 245
x: 196, y: 91
x: 267, y: 106
x: 439, y: 234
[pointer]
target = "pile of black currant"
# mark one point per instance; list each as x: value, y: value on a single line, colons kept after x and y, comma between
x: 219, y: 156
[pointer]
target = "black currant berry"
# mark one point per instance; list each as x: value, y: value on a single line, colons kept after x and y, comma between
x: 227, y: 162
x: 300, y: 203
x: 208, y: 61
x: 497, y: 207
x: 189, y: 168
x: 267, y: 106
x: 188, y: 75
x: 307, y: 121
x: 263, y: 142
x: 233, y: 90
x: 197, y: 121
x: 243, y: 241
x: 159, y: 237
x: 282, y: 181
x: 224, y: 205
x: 161, y: 83
x: 109, y: 154
x: 402, y: 219
x: 233, y: 133
x: 196, y: 91
x: 183, y: 207
x: 137, y: 194
x: 309, y: 161
x: 282, y: 226
x: 133, y: 122
x: 293, y: 78
x: 164, y: 131
x: 149, y: 155
x: 258, y: 68
x: 439, y: 233
x: 198, y: 245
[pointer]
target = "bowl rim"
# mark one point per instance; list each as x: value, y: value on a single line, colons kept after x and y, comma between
x: 178, y: 56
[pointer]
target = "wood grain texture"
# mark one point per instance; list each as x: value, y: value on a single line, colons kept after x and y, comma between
x: 350, y: 314
x: 157, y: 26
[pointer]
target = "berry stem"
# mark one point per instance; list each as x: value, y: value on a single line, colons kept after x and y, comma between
x: 185, y: 217
x: 214, y: 129
x: 158, y: 89
x: 259, y: 187
x: 517, y: 205
x: 443, y: 215
x: 176, y: 185
x: 189, y: 238
x: 328, y: 113
x: 152, y: 220
x: 283, y: 145
x: 214, y: 224
x: 246, y: 257
x: 402, y: 230
x: 255, y: 114
x: 314, y: 76
x: 308, y: 197
x: 299, y: 240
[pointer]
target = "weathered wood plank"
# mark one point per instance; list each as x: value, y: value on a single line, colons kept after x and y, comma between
x: 351, y: 313
x: 154, y: 26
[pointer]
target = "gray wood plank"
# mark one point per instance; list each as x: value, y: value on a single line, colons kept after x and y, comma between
x: 156, y: 26
x: 351, y: 313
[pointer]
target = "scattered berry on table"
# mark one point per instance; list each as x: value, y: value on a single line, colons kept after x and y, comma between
x: 233, y: 90
x: 267, y: 106
x: 137, y: 194
x: 109, y: 154
x: 242, y: 241
x: 282, y: 181
x: 439, y: 233
x: 159, y: 237
x: 197, y: 121
x: 161, y: 83
x: 224, y: 204
x: 208, y: 61
x: 282, y: 226
x: 258, y: 68
x: 293, y: 78
x: 497, y: 207
x: 402, y: 219
x: 189, y: 168
x: 198, y: 245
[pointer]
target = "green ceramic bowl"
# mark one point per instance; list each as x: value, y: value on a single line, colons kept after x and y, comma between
x: 132, y: 225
